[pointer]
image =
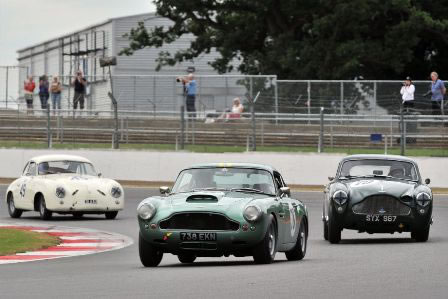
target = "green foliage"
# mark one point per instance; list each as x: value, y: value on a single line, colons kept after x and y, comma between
x: 305, y: 39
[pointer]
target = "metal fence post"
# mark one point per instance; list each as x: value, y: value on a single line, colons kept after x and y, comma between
x: 48, y: 127
x: 403, y: 133
x: 254, y: 129
x: 276, y: 100
x: 182, y: 126
x: 7, y: 83
x: 115, y: 135
x: 320, y: 148
x: 308, y: 90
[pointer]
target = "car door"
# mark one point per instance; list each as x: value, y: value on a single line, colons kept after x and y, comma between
x: 27, y: 190
x: 291, y: 230
x: 284, y: 214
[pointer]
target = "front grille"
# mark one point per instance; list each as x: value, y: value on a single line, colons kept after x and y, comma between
x: 382, y: 205
x: 199, y: 221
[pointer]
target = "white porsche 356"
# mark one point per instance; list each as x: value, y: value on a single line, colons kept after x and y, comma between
x: 63, y: 184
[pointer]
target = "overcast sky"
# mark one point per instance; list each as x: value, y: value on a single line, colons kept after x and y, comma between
x: 27, y: 22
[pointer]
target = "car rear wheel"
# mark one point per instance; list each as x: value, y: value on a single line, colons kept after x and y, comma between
x: 44, y: 213
x: 111, y: 215
x: 264, y: 253
x: 186, y: 258
x: 12, y: 210
x: 299, y: 250
x: 420, y: 235
x: 149, y: 255
x: 334, y: 230
x: 78, y: 215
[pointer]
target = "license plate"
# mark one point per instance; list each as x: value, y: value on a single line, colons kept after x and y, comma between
x: 91, y: 201
x: 198, y: 237
x: 381, y: 218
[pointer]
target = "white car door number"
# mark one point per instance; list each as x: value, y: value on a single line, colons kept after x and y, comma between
x: 23, y: 190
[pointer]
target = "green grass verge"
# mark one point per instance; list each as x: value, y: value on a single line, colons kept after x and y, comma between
x: 16, y: 240
x: 422, y: 152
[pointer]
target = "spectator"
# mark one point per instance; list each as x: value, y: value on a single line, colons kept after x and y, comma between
x: 235, y: 112
x: 80, y: 84
x: 407, y: 92
x: 44, y: 91
x: 191, y: 94
x: 437, y: 93
x: 29, y: 87
x: 56, y: 89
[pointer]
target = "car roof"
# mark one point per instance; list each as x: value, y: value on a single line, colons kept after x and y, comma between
x: 49, y: 158
x: 234, y: 165
x: 379, y: 157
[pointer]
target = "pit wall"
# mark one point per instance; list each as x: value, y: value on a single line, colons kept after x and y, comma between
x: 152, y: 166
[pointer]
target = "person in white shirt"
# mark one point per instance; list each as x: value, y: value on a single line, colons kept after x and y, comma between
x: 407, y: 93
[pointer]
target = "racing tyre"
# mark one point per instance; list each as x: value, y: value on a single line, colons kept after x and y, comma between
x: 186, y: 258
x: 325, y: 230
x: 334, y: 231
x: 264, y: 253
x: 420, y: 235
x: 44, y: 213
x: 149, y: 255
x: 299, y: 250
x: 111, y: 215
x: 78, y: 215
x: 13, y: 212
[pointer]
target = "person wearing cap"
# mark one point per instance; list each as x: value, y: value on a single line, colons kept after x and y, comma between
x: 407, y: 93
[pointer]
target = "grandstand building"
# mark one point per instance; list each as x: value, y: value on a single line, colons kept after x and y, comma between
x: 136, y: 84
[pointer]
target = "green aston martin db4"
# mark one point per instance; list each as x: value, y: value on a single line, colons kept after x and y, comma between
x: 220, y: 210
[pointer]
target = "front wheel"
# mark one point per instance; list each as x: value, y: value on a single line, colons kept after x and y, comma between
x: 44, y: 213
x: 264, y: 253
x: 12, y: 210
x: 334, y: 230
x: 299, y: 250
x: 111, y: 215
x: 186, y: 258
x: 420, y: 235
x: 325, y: 222
x: 149, y: 255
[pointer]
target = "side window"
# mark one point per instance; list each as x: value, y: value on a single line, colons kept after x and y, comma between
x: 25, y: 169
x: 278, y: 180
x: 32, y: 169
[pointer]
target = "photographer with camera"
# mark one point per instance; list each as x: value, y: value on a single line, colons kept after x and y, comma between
x: 190, y: 88
x: 80, y: 83
x: 407, y: 93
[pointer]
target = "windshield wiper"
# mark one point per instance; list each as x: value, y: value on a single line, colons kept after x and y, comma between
x: 250, y: 190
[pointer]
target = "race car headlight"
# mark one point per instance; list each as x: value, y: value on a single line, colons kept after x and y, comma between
x: 340, y: 197
x: 115, y: 192
x: 252, y: 213
x: 60, y: 192
x: 423, y: 199
x: 146, y: 211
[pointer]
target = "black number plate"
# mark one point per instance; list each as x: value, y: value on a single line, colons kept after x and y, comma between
x: 211, y: 237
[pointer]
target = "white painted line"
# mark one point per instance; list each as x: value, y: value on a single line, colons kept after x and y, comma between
x: 99, y: 244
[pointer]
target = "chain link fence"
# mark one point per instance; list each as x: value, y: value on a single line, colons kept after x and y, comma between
x: 279, y: 115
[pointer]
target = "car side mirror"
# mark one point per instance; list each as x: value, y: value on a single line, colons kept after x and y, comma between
x: 164, y: 190
x: 285, y: 191
x: 427, y: 181
x: 331, y: 178
x: 100, y: 174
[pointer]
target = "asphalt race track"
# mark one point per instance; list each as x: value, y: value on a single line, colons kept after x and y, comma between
x: 369, y: 266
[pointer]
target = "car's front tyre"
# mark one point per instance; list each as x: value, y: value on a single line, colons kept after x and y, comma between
x: 12, y: 210
x: 149, y: 255
x: 186, y: 258
x: 264, y: 252
x: 111, y: 215
x: 299, y: 250
x: 420, y: 235
x: 44, y: 213
x: 325, y: 225
x: 334, y: 230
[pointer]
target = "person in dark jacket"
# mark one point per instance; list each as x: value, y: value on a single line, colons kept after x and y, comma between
x: 80, y: 84
x: 43, y: 91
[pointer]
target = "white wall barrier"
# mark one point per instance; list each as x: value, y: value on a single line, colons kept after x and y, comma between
x: 297, y: 168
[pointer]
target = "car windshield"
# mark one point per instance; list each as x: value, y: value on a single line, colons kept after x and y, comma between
x: 222, y: 178
x: 378, y: 168
x: 76, y: 167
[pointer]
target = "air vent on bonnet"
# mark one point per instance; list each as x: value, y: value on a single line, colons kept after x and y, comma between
x: 202, y: 198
